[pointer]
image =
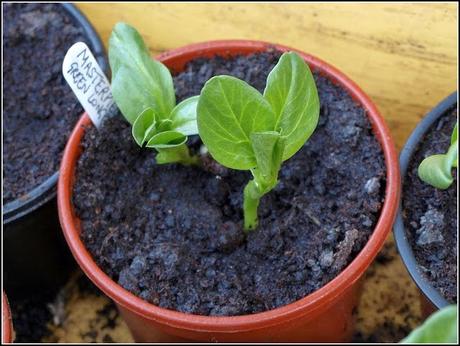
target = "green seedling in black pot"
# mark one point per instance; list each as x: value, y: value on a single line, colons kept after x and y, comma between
x: 436, y: 170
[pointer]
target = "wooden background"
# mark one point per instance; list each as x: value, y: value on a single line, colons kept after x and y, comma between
x: 403, y: 55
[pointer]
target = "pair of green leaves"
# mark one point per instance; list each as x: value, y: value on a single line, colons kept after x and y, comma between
x: 143, y: 91
x: 441, y: 327
x: 241, y: 128
x: 246, y: 130
x: 436, y: 170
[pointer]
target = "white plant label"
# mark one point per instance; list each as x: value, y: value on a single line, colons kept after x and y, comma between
x: 88, y: 82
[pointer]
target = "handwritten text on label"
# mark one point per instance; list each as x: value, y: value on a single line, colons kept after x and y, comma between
x: 88, y: 82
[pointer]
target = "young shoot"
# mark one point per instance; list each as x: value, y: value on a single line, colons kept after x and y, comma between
x: 246, y: 130
x: 143, y: 91
x: 436, y: 170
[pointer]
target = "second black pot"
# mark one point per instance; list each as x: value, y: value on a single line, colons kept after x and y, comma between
x: 35, y: 256
x: 431, y: 298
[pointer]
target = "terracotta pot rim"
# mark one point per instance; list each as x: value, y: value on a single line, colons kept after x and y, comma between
x: 7, y: 327
x: 314, y: 301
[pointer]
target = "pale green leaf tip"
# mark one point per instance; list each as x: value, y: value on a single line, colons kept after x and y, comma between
x: 117, y: 29
x: 440, y: 327
x: 123, y: 26
x: 119, y: 25
x: 431, y: 171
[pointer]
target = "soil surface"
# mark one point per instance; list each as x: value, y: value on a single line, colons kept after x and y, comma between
x: 430, y: 214
x: 39, y: 108
x: 173, y: 235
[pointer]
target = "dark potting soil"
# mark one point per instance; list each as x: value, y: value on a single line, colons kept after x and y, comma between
x: 430, y: 214
x: 173, y: 235
x: 39, y: 108
x: 31, y: 316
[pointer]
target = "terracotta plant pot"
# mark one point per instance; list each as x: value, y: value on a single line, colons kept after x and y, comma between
x: 431, y: 299
x: 325, y: 315
x: 7, y: 325
x: 35, y: 254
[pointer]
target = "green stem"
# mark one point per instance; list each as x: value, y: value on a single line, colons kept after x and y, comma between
x: 250, y: 205
x: 253, y: 192
x: 177, y: 154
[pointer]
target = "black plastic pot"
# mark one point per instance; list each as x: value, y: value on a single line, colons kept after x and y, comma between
x: 35, y: 253
x: 431, y: 298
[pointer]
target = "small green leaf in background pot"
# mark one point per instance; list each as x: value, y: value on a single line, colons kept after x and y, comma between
x: 454, y: 136
x: 166, y: 139
x: 228, y: 111
x: 436, y: 170
x: 138, y: 81
x: 441, y: 327
x: 183, y: 117
x: 144, y: 126
x: 291, y: 91
x: 453, y: 141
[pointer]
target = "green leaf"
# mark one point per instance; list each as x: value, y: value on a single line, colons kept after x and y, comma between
x: 441, y: 327
x: 436, y: 170
x: 228, y: 111
x: 291, y: 91
x: 453, y: 141
x: 138, y: 81
x: 164, y: 125
x: 454, y: 136
x: 268, y: 149
x: 183, y: 117
x: 166, y: 139
x: 144, y: 126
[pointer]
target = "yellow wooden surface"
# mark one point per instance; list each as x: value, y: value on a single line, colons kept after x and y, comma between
x: 403, y: 55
